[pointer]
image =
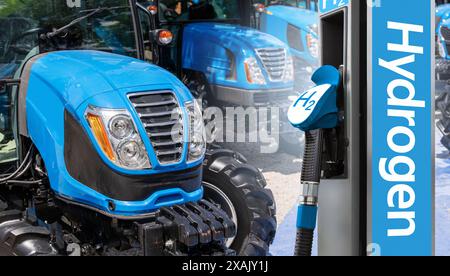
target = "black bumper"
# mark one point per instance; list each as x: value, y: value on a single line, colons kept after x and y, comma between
x: 85, y: 165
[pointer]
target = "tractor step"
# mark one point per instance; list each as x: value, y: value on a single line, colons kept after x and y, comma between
x: 191, y: 229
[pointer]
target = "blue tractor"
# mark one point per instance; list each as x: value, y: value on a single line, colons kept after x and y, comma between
x: 295, y: 22
x: 223, y: 59
x: 103, y: 153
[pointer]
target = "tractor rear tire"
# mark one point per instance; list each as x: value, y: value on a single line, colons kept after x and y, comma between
x: 239, y: 189
x: 20, y: 238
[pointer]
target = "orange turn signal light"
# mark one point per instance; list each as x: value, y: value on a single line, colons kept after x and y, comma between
x: 153, y: 9
x: 309, y: 40
x: 247, y: 72
x: 260, y: 8
x: 100, y: 134
x: 165, y: 37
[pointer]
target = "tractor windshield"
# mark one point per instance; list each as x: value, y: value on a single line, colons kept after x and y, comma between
x: 23, y: 22
x: 189, y: 10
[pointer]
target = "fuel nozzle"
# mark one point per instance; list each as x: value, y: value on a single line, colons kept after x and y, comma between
x: 314, y: 110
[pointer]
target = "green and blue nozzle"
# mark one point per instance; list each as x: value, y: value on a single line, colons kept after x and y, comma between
x: 313, y: 111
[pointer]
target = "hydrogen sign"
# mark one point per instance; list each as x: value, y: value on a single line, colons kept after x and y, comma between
x: 331, y: 5
x: 402, y: 127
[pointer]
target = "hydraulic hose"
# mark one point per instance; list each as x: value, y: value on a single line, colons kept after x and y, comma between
x: 23, y: 167
x: 308, y: 203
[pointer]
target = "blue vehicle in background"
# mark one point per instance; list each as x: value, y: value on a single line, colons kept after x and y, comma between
x: 103, y: 153
x: 295, y: 22
x: 221, y: 56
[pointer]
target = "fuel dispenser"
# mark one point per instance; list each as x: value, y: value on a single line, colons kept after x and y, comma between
x: 371, y: 128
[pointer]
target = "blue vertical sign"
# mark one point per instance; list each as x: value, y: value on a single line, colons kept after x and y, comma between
x: 331, y: 5
x: 402, y: 161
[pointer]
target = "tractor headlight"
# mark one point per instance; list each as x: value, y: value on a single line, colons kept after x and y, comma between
x: 117, y: 137
x: 254, y: 72
x: 197, y: 134
x: 121, y: 126
x: 289, y: 71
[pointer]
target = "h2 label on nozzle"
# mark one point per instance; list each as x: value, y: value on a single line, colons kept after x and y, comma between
x: 305, y: 105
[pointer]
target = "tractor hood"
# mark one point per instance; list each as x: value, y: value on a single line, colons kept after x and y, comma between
x: 219, y: 51
x: 232, y: 37
x: 76, y: 76
x: 300, y: 18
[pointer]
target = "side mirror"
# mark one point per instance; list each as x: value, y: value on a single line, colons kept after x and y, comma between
x: 317, y: 107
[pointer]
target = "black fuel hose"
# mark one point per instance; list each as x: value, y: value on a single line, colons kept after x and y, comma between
x: 310, y: 178
x: 312, y: 157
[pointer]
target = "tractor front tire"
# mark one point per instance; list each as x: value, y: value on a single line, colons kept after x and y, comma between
x: 239, y: 189
x: 20, y: 238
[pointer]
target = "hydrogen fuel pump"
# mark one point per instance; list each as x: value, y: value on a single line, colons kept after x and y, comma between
x: 370, y: 131
x: 313, y: 112
x: 333, y: 132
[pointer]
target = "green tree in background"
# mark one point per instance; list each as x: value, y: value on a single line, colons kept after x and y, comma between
x: 25, y: 8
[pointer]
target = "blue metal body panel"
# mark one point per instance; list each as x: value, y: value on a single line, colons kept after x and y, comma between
x: 276, y: 19
x: 73, y: 80
x: 211, y: 58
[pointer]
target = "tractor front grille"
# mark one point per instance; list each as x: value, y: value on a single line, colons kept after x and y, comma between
x: 274, y: 61
x: 162, y: 118
x: 445, y: 32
